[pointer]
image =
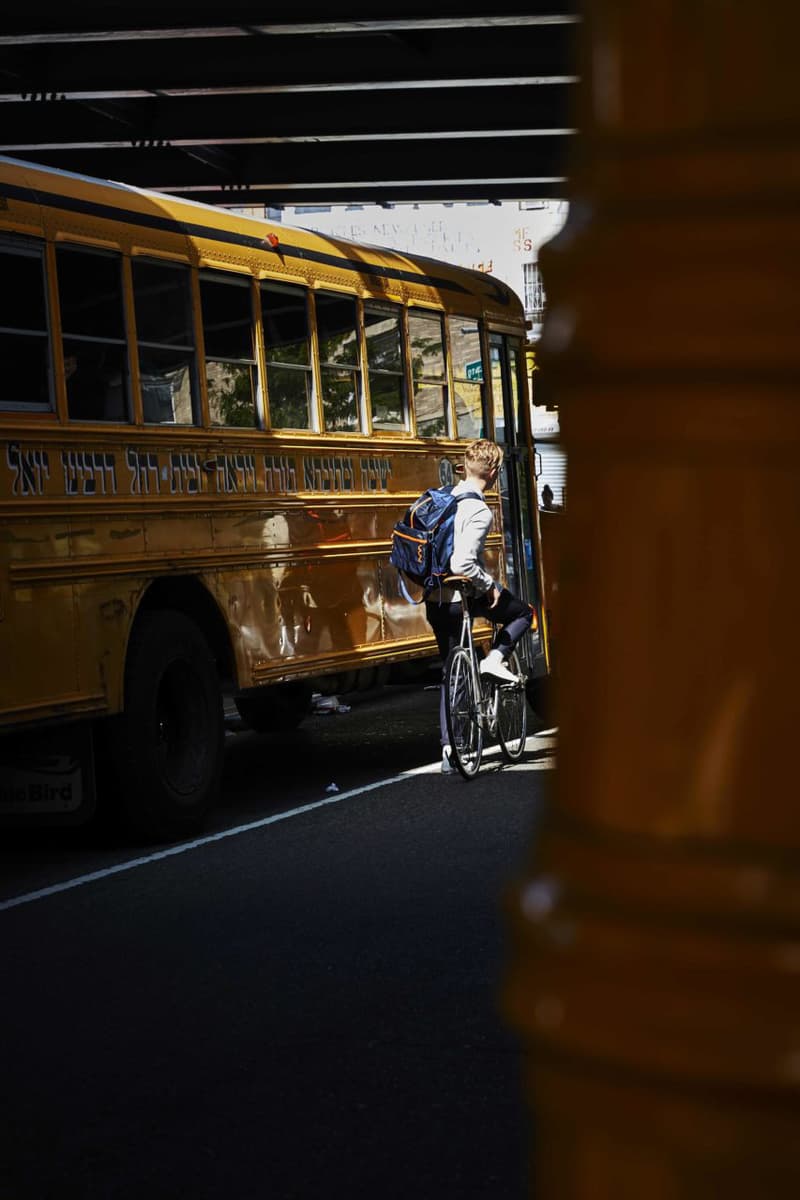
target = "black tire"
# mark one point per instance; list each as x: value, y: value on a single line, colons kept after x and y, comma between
x: 461, y: 709
x: 512, y: 715
x: 166, y: 749
x: 276, y: 709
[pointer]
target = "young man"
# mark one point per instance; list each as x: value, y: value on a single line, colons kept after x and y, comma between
x: 473, y: 520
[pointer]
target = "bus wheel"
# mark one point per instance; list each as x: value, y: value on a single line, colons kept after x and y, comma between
x: 277, y: 709
x: 167, y: 747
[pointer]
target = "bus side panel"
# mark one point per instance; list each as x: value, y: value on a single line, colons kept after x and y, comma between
x: 302, y: 616
x: 37, y: 651
x: 105, y: 612
x: 37, y: 635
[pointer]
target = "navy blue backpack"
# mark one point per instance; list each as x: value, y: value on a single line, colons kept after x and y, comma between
x: 422, y: 543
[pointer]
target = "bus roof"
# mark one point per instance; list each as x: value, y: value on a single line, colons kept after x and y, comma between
x: 272, y: 249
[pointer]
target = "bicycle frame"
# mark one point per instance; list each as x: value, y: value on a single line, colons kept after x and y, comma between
x: 483, y: 706
x: 487, y: 702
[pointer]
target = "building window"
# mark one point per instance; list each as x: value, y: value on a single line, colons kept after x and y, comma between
x: 533, y: 292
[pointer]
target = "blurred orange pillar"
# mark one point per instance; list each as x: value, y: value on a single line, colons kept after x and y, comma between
x: 656, y: 968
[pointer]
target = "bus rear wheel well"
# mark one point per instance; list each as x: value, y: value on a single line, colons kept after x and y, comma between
x: 190, y: 597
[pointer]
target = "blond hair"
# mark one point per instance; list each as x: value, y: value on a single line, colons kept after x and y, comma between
x: 482, y: 457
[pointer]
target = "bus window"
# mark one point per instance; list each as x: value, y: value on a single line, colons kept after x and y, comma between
x: 24, y: 341
x: 515, y: 365
x: 337, y: 333
x: 465, y: 349
x: 384, y: 332
x: 428, y: 372
x: 231, y: 374
x: 508, y: 427
x: 93, y: 334
x: 165, y: 337
x: 284, y: 316
x: 498, y: 401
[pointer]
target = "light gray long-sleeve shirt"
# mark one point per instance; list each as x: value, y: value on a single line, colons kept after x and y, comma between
x: 472, y: 522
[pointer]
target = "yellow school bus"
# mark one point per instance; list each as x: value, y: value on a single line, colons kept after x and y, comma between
x: 208, y: 426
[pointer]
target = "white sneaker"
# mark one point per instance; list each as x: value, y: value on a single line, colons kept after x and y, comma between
x: 494, y: 665
x: 447, y: 762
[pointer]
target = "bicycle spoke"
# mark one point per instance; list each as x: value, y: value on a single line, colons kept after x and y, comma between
x: 461, y: 708
x: 512, y: 716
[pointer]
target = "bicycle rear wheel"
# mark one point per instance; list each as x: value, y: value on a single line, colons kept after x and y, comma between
x: 512, y: 715
x: 461, y: 710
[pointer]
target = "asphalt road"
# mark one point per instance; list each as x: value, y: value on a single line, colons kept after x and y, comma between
x: 301, y: 1005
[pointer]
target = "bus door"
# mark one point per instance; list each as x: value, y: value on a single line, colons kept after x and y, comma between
x: 507, y: 361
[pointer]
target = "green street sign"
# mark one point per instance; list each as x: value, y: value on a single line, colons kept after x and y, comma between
x: 474, y: 370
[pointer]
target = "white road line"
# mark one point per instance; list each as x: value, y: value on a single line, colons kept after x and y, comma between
x: 184, y: 847
x: 543, y: 764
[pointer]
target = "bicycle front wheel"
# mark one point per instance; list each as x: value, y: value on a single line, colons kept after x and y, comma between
x: 512, y: 715
x: 462, y: 712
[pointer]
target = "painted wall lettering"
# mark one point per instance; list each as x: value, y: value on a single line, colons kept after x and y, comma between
x: 31, y: 470
x: 89, y: 472
x: 236, y: 473
x: 143, y: 466
x: 280, y: 473
x: 375, y: 474
x: 184, y: 474
x: 331, y: 473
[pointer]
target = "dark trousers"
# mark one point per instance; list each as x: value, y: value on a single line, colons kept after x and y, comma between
x: 511, y: 615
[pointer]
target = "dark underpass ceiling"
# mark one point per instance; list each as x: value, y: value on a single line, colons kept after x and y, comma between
x: 278, y: 105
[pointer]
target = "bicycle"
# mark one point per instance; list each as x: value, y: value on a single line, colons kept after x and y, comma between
x: 476, y: 704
